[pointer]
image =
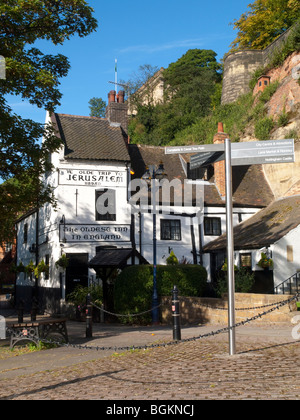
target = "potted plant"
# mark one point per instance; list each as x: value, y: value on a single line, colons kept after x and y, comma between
x: 172, y: 259
x: 62, y: 262
x: 265, y: 262
x: 42, y: 267
x: 29, y: 269
x: 17, y: 268
x: 21, y: 268
x: 225, y: 266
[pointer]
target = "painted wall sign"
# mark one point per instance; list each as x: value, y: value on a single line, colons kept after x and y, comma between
x: 91, y: 178
x: 94, y: 233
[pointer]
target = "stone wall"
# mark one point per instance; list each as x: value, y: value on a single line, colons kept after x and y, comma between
x: 240, y: 66
x: 215, y: 311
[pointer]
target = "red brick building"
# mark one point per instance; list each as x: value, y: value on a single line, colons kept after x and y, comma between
x: 7, y: 277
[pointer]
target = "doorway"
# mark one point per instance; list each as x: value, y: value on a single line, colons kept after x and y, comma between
x: 77, y: 272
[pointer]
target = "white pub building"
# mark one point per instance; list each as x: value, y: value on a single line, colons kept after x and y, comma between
x: 93, y: 224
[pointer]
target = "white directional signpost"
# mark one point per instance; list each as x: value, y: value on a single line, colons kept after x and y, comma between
x: 236, y: 154
x: 248, y: 153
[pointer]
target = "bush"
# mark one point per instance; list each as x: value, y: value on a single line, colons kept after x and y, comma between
x: 134, y: 286
x: 263, y: 128
x: 79, y: 294
x: 244, y: 281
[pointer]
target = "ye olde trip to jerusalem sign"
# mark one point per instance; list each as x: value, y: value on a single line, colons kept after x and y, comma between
x: 94, y: 233
x: 92, y: 178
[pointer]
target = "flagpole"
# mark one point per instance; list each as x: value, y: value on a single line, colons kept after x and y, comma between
x: 116, y: 75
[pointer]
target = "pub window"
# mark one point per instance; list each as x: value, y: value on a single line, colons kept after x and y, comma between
x: 25, y: 237
x: 246, y: 260
x: 170, y: 230
x: 212, y: 226
x: 106, y: 205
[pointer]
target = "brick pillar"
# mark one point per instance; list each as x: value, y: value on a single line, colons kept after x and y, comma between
x: 219, y: 167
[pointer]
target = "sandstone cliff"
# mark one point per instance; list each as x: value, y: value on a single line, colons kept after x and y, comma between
x: 284, y: 179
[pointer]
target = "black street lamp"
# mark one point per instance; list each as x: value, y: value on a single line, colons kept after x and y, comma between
x: 157, y: 174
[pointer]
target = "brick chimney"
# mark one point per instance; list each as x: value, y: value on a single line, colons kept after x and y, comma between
x: 219, y: 167
x: 117, y: 109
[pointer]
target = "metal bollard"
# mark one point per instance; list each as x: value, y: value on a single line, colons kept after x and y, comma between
x: 89, y: 317
x: 21, y: 312
x: 176, y: 315
x: 34, y: 309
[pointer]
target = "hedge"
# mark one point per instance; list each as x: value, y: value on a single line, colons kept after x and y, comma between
x: 134, y: 286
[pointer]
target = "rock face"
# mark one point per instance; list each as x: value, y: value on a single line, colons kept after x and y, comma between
x: 284, y: 179
x: 287, y: 97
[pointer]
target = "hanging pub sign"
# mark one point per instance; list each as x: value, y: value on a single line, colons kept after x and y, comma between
x: 69, y: 233
x: 92, y: 178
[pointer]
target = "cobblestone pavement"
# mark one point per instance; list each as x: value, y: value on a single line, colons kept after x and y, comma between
x: 266, y: 366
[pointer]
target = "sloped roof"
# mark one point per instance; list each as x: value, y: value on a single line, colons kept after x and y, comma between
x: 109, y: 258
x: 91, y: 138
x: 250, y: 187
x: 264, y: 228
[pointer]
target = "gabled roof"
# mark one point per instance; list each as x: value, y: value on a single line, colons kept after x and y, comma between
x: 264, y: 228
x: 91, y: 138
x: 110, y: 258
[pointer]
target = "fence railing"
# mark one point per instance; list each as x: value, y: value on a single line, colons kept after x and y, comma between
x: 290, y: 286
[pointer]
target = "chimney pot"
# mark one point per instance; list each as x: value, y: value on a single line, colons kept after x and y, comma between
x: 112, y: 96
x: 121, y: 96
x: 220, y: 127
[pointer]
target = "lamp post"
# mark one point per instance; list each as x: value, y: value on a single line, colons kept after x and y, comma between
x: 63, y: 223
x: 157, y: 174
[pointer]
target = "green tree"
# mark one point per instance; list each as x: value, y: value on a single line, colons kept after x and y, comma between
x: 190, y: 89
x: 97, y: 107
x: 193, y: 63
x: 32, y: 74
x: 35, y: 77
x: 264, y: 22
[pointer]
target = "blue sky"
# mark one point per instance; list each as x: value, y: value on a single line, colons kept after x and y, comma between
x: 156, y: 32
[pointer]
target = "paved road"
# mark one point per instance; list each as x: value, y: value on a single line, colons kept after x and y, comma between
x: 266, y: 366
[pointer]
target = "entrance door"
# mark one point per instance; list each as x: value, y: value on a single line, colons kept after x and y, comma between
x: 76, y: 272
x: 216, y: 262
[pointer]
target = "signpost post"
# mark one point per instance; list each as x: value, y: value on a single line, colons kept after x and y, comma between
x: 230, y: 249
x: 236, y: 154
x: 2, y: 68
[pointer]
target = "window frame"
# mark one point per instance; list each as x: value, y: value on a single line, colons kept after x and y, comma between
x: 246, y: 255
x: 107, y: 217
x: 211, y: 231
x: 175, y: 233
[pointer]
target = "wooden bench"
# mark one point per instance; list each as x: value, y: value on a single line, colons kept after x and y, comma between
x: 37, y: 331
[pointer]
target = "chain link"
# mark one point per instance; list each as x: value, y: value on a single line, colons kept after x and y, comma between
x: 126, y: 315
x: 237, y: 309
x: 171, y: 343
